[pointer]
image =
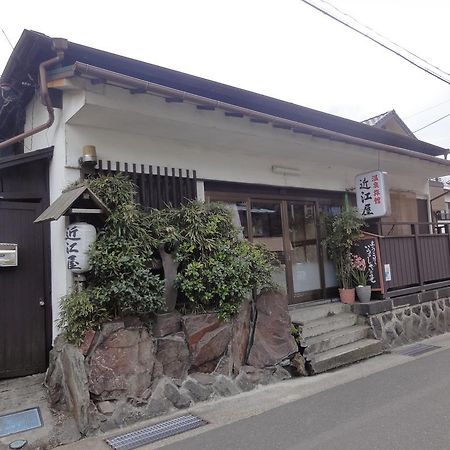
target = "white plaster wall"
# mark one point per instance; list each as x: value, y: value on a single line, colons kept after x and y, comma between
x: 59, y: 178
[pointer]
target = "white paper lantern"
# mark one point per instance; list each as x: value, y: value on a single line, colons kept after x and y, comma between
x: 79, y: 237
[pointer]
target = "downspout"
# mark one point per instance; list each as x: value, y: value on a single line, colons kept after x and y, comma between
x: 59, y: 45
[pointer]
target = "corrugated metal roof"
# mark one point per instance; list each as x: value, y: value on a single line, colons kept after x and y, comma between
x: 374, y: 120
x: 62, y: 204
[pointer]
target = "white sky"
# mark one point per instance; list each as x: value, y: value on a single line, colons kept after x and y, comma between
x: 281, y: 48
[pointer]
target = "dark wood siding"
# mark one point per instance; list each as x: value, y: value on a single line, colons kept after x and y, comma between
x: 25, y: 325
x: 157, y: 186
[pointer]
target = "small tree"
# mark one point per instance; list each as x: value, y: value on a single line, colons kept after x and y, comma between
x: 342, y: 231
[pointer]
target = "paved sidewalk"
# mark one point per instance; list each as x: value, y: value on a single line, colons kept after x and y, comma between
x: 233, y: 409
x: 19, y: 394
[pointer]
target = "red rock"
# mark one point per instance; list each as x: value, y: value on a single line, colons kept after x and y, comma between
x: 122, y: 365
x: 272, y: 342
x: 208, y: 339
x: 87, y: 341
x: 240, y: 334
x: 196, y: 326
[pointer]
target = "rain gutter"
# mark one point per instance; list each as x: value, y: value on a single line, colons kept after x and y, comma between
x: 140, y: 85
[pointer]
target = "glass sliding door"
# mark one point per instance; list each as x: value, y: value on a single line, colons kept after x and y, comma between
x: 267, y: 229
x: 305, y: 251
x: 293, y: 229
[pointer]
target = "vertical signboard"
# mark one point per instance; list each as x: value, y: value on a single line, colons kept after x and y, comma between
x: 372, y: 195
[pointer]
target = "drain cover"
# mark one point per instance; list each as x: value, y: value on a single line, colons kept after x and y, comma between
x: 155, y: 432
x: 20, y: 421
x: 417, y: 349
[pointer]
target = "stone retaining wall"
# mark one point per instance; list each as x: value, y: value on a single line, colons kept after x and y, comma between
x: 411, y: 323
x: 126, y: 372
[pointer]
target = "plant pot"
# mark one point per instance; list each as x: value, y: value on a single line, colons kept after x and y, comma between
x: 347, y: 295
x: 364, y: 293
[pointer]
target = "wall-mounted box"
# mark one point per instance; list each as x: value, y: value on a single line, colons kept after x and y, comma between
x: 8, y: 255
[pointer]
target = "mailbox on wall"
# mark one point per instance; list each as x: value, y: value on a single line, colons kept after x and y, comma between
x: 8, y: 255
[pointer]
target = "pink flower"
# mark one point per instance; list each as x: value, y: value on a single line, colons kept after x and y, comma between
x: 358, y: 263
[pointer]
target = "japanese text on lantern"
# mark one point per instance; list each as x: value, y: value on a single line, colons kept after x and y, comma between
x: 372, y: 196
x: 72, y: 241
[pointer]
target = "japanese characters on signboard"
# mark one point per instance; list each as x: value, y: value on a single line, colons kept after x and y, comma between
x: 372, y: 195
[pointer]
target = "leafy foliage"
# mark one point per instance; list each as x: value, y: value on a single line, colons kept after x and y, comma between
x: 342, y: 231
x: 216, y: 270
x: 114, y: 191
x: 78, y: 314
x: 121, y: 281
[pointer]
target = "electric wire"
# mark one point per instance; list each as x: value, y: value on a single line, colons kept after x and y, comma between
x: 432, y: 123
x: 385, y: 37
x: 427, y: 109
x: 6, y: 37
x: 384, y: 45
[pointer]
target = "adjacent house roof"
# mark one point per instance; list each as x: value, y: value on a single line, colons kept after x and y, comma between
x: 34, y: 48
x: 383, y: 121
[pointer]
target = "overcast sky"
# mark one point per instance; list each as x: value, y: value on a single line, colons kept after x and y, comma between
x: 281, y: 48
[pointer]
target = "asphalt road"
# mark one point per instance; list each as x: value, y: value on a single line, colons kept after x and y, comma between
x: 404, y: 407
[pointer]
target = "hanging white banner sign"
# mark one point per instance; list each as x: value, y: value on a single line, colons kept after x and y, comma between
x: 372, y: 195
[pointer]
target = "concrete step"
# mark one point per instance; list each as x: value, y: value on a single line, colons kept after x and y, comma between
x: 327, y: 324
x: 305, y: 314
x: 333, y: 339
x: 346, y: 354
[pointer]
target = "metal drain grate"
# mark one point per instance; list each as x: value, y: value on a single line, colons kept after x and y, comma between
x: 417, y: 349
x: 20, y: 421
x: 155, y: 432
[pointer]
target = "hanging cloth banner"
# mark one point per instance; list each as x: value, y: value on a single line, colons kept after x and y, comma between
x: 372, y: 195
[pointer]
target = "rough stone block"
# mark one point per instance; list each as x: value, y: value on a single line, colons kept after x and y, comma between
x: 106, y: 407
x: 208, y: 339
x: 412, y: 299
x: 166, y: 323
x: 122, y: 365
x: 272, y: 342
x: 173, y: 353
x: 197, y: 391
x: 225, y: 387
x: 443, y: 292
x: 67, y: 383
x: 240, y: 333
x: 428, y: 296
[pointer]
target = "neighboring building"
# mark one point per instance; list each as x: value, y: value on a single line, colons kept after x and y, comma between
x: 280, y: 165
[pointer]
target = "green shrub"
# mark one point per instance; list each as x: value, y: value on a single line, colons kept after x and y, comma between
x: 77, y: 314
x: 220, y: 280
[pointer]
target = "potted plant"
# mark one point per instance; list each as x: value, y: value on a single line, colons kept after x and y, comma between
x: 342, y: 231
x: 360, y: 275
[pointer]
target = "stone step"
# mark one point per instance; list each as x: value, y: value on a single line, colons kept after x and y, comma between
x: 305, y: 314
x: 327, y: 324
x: 346, y: 354
x: 333, y: 339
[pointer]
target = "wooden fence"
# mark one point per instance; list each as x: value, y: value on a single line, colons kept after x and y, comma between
x: 158, y: 187
x: 417, y: 261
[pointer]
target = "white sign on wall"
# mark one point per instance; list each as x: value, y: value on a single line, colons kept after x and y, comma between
x: 372, y: 195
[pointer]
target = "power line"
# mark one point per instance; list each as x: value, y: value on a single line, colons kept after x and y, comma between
x: 427, y: 109
x: 4, y: 34
x: 384, y: 37
x: 432, y: 123
x: 384, y: 45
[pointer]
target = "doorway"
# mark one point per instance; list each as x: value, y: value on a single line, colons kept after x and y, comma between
x: 22, y: 293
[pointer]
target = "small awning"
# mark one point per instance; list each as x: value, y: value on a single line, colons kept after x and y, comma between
x: 68, y: 200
